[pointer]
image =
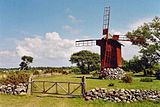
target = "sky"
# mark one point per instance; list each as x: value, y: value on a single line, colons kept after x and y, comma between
x: 47, y: 29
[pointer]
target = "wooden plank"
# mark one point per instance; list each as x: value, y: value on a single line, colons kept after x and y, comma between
x: 75, y: 89
x: 31, y: 86
x: 83, y: 87
x: 50, y: 87
x: 58, y: 94
x: 59, y: 82
x: 44, y: 86
x: 38, y: 86
x: 56, y: 88
x: 62, y: 88
x: 68, y: 88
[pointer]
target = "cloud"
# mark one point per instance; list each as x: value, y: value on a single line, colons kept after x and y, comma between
x: 50, y: 46
x: 140, y: 22
x: 7, y: 53
x: 115, y: 32
x: 129, y: 50
x: 73, y: 18
x: 68, y: 10
x: 50, y: 50
x: 8, y: 58
x: 71, y: 30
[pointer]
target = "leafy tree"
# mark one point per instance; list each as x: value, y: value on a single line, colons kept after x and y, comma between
x: 135, y: 64
x: 149, y: 34
x: 125, y: 64
x: 86, y: 61
x: 26, y: 60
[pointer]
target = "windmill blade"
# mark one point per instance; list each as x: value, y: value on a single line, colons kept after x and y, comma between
x: 134, y: 39
x: 90, y: 42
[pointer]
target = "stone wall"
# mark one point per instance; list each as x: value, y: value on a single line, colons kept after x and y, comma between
x: 112, y: 73
x: 21, y: 88
x: 122, y: 95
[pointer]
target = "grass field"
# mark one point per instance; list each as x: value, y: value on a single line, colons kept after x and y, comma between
x: 37, y: 100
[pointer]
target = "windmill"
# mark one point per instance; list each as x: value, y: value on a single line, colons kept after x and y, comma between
x: 110, y: 47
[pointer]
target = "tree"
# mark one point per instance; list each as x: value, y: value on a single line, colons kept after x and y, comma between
x: 86, y: 61
x: 150, y: 49
x: 135, y: 64
x: 26, y: 60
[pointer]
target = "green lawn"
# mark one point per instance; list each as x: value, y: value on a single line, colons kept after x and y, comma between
x: 93, y: 83
x: 36, y: 100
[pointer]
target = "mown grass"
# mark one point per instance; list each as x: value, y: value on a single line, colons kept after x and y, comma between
x: 93, y: 83
x: 37, y: 100
x: 50, y: 101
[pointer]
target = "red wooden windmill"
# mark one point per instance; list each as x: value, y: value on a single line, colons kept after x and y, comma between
x: 110, y: 48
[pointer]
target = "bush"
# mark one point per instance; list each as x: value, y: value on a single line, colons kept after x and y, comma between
x: 95, y: 74
x: 48, y: 71
x: 65, y: 72
x: 158, y: 75
x: 127, y: 78
x: 75, y: 70
x: 16, y: 78
x: 146, y: 80
x: 111, y: 84
x: 149, y: 72
x: 36, y: 72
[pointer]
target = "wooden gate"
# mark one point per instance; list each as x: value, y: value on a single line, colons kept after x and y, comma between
x: 58, y: 88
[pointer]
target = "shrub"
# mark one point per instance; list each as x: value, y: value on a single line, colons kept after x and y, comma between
x: 127, y: 78
x: 146, y: 80
x: 36, y: 72
x: 48, y: 71
x: 16, y: 78
x: 158, y: 75
x: 65, y: 72
x: 95, y: 74
x: 75, y: 70
x: 111, y: 84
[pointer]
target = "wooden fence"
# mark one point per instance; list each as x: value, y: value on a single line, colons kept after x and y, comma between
x: 51, y: 87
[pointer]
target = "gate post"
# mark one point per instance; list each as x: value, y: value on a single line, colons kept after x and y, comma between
x: 31, y: 86
x: 83, y: 90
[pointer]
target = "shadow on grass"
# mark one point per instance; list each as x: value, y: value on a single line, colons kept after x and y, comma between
x: 142, y: 76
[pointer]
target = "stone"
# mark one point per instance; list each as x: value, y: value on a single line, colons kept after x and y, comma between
x: 97, y: 89
x: 128, y: 101
x: 95, y: 93
x: 23, y: 93
x: 87, y: 98
x: 93, y: 90
x: 121, y: 95
x: 154, y: 97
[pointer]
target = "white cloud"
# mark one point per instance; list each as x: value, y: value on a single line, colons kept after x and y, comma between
x: 51, y: 46
x: 115, y: 32
x: 71, y: 30
x: 8, y: 58
x: 129, y: 50
x: 7, y: 53
x: 140, y: 22
x: 73, y: 18
x: 51, y: 49
x: 68, y: 10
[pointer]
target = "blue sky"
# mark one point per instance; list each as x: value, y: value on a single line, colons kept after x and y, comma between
x: 71, y: 19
